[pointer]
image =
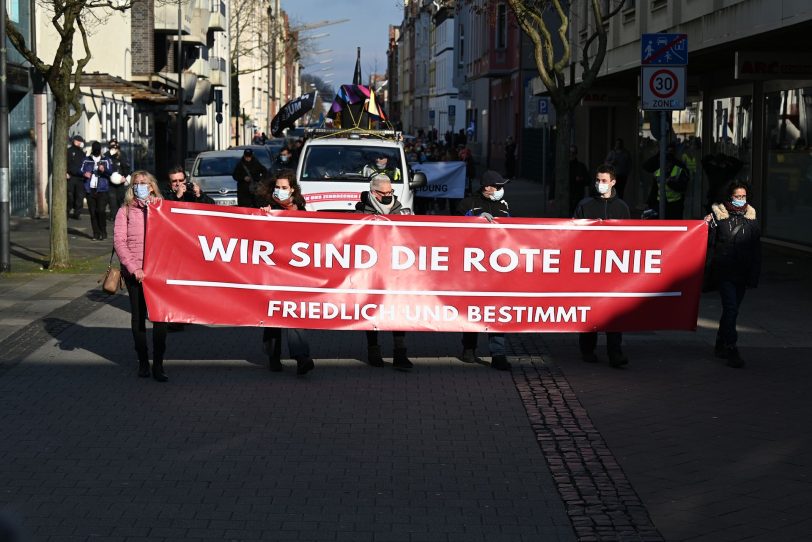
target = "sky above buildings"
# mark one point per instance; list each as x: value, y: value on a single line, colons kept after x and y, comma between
x: 367, y: 28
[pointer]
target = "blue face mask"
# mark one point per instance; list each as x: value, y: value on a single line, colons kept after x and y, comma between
x: 281, y: 194
x: 141, y: 191
x: 738, y: 202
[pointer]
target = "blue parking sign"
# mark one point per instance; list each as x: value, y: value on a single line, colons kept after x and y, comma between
x: 544, y: 106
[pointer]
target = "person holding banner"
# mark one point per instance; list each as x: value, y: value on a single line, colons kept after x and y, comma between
x: 488, y: 204
x: 381, y: 200
x: 735, y: 244
x: 128, y: 239
x: 282, y: 193
x: 606, y: 205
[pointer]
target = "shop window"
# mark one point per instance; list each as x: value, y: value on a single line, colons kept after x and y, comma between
x: 788, y: 180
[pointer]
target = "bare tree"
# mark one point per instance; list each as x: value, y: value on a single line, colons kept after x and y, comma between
x: 553, y: 56
x: 64, y: 77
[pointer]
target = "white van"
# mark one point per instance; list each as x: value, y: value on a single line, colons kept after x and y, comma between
x: 331, y: 168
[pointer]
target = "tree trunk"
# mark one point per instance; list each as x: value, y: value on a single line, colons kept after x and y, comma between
x: 562, y: 163
x: 60, y: 250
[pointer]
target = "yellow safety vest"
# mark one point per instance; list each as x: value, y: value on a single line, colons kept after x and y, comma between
x: 690, y: 163
x: 670, y: 195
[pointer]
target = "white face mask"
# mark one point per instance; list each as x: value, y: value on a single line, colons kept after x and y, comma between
x: 113, y: 151
x: 281, y: 194
x: 141, y: 191
x: 497, y: 194
x: 380, y: 164
x: 738, y: 202
x: 283, y: 158
x: 604, y: 188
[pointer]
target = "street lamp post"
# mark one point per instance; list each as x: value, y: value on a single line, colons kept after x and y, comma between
x: 181, y: 126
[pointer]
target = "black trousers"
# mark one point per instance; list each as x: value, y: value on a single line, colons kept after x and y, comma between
x: 76, y: 195
x: 588, y: 341
x: 115, y: 198
x: 398, y: 337
x: 97, y: 205
x: 138, y: 323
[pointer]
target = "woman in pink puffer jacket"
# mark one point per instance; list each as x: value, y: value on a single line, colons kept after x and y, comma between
x: 129, y: 233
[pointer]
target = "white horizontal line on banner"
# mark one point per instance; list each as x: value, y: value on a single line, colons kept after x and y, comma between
x: 384, y: 222
x: 302, y: 289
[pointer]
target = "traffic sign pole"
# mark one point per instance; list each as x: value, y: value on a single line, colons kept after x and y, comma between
x: 663, y: 148
x: 663, y: 62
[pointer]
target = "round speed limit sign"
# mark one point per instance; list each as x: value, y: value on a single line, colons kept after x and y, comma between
x: 663, y: 88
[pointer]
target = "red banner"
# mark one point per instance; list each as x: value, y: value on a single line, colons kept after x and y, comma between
x: 238, y: 266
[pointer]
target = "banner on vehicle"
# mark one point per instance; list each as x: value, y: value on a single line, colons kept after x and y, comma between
x: 445, y: 180
x: 245, y: 267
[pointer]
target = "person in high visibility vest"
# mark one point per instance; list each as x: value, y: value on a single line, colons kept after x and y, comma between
x: 676, y: 183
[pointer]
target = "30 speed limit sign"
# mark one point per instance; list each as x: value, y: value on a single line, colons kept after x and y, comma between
x: 663, y: 87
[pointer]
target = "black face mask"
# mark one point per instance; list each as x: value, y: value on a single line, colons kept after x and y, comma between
x: 386, y: 200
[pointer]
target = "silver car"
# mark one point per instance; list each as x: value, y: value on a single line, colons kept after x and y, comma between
x: 213, y: 170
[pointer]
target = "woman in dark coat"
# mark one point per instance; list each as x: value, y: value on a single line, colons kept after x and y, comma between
x: 281, y: 192
x: 735, y: 245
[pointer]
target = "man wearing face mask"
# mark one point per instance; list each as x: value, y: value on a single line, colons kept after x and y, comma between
x: 284, y: 160
x: 381, y: 200
x: 381, y: 165
x: 97, y: 170
x: 489, y: 203
x: 606, y: 205
x: 76, y: 179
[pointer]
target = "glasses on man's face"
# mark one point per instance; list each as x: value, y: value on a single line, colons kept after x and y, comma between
x: 173, y: 181
x: 384, y: 194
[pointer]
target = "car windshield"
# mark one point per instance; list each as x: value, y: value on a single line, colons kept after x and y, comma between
x: 356, y: 163
x: 216, y: 166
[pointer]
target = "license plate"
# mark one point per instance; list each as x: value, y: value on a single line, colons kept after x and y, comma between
x: 226, y: 201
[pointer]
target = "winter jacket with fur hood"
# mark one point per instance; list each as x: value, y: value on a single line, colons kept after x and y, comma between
x: 735, y: 242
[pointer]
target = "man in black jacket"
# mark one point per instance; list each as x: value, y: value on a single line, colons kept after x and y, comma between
x: 605, y: 205
x: 248, y: 173
x: 180, y: 190
x: 118, y: 179
x: 489, y: 203
x: 76, y: 180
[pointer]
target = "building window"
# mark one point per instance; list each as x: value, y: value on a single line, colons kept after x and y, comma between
x: 462, y: 44
x: 501, y: 26
x: 14, y: 10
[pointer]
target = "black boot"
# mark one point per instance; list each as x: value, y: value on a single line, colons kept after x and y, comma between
x: 733, y: 358
x: 469, y: 356
x: 400, y: 361
x: 500, y: 363
x: 719, y: 349
x: 158, y: 369
x: 304, y: 364
x: 143, y: 364
x: 274, y: 355
x: 617, y: 358
x: 374, y: 357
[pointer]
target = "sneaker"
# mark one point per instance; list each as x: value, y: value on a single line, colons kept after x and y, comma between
x: 500, y: 363
x: 304, y: 365
x: 618, y: 359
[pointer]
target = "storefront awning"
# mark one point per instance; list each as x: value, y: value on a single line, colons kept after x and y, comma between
x: 136, y: 91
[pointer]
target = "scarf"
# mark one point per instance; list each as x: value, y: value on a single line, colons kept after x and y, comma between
x: 380, y: 207
x: 733, y: 210
x: 287, y: 204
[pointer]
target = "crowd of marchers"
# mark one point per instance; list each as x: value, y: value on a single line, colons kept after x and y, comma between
x: 103, y: 179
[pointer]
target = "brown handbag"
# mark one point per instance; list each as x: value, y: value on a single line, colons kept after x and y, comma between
x: 112, y: 281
